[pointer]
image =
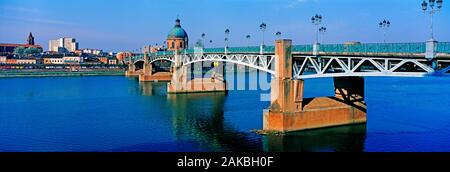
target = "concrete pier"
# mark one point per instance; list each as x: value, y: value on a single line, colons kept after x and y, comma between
x: 132, y: 72
x: 289, y: 111
x: 198, y: 85
x: 157, y: 77
x: 148, y: 76
x: 182, y: 83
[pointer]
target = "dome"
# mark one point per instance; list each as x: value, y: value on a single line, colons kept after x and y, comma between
x: 177, y: 31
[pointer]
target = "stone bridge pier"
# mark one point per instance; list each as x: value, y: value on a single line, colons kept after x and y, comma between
x: 131, y: 71
x: 182, y: 82
x: 290, y: 111
x: 148, y: 74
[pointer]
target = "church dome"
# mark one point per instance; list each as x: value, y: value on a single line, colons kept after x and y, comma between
x: 177, y: 31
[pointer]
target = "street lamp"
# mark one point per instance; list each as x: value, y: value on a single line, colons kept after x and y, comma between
x: 322, y: 30
x: 203, y: 39
x: 385, y: 24
x: 433, y: 9
x: 316, y: 20
x: 278, y: 34
x: 263, y: 27
x: 227, y: 32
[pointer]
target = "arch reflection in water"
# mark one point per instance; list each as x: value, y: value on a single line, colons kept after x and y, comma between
x: 201, y: 117
x: 337, y: 139
x: 153, y: 88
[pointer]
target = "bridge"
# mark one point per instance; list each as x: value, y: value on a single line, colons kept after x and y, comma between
x: 290, y: 65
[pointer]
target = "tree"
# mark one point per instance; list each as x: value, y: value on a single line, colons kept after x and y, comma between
x: 26, y: 51
x: 19, y: 50
x: 32, y: 50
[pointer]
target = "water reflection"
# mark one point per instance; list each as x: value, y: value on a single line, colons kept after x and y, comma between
x: 153, y: 88
x: 336, y: 139
x: 201, y: 118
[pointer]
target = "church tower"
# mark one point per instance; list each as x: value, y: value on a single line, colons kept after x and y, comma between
x: 30, y: 39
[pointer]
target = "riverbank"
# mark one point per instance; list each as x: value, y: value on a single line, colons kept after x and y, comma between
x: 11, y: 74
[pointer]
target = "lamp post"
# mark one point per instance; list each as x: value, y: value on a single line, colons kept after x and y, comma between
x: 278, y: 34
x: 263, y: 27
x: 203, y: 39
x: 248, y: 37
x: 322, y: 30
x: 385, y: 24
x: 227, y: 33
x: 435, y: 6
x: 316, y: 21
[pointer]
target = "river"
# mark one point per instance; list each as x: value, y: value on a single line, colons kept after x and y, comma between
x: 119, y: 114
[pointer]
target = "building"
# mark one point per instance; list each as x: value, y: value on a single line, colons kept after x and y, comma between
x: 78, y: 52
x: 103, y: 60
x: 11, y: 61
x: 112, y: 61
x: 178, y: 38
x: 25, y: 61
x: 53, y: 60
x: 2, y: 59
x: 63, y: 45
x: 122, y: 55
x: 72, y: 60
x: 153, y: 48
x: 9, y: 48
x: 92, y: 51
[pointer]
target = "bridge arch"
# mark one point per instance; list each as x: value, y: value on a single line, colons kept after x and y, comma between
x: 260, y: 62
x: 138, y: 65
x: 169, y: 58
x: 308, y: 67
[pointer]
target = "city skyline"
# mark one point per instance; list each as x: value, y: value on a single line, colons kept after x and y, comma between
x: 124, y: 26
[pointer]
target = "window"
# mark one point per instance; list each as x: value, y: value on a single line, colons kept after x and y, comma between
x: 181, y: 44
x: 173, y: 44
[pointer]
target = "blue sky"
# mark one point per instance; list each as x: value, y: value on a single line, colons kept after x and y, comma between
x: 116, y: 25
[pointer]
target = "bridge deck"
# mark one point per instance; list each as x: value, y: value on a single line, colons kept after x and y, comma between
x: 336, y: 60
x: 370, y: 49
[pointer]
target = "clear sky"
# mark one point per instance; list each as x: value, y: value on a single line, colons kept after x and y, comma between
x: 116, y: 25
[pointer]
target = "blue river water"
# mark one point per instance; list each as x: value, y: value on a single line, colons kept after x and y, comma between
x: 119, y: 114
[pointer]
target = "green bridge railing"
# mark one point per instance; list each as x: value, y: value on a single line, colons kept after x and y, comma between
x: 409, y: 48
x: 443, y: 47
x: 400, y: 48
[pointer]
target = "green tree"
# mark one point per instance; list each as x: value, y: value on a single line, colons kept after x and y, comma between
x: 19, y: 50
x: 32, y: 50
